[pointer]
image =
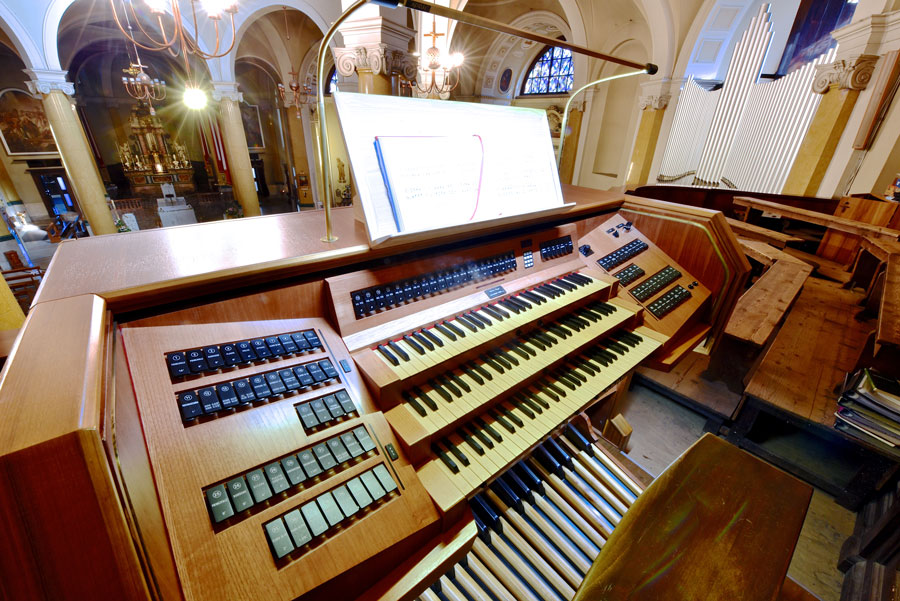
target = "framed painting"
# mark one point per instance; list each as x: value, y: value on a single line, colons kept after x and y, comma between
x: 252, y: 126
x: 505, y: 79
x: 23, y: 125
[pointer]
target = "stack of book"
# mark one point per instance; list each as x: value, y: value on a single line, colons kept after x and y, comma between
x: 869, y: 409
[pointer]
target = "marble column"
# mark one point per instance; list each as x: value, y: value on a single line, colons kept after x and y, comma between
x: 74, y: 149
x: 235, y: 141
x: 840, y: 84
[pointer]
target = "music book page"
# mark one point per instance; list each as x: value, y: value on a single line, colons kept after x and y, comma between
x: 431, y: 150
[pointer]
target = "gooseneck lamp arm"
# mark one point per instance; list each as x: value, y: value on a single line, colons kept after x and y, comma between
x: 322, y: 159
x: 565, y: 119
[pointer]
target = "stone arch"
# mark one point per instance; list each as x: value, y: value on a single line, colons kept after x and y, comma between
x: 322, y: 13
x: 22, y: 41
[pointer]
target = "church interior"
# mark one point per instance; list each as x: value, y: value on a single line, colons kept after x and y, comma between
x: 230, y: 373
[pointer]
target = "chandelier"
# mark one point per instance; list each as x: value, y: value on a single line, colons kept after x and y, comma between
x: 433, y: 63
x: 141, y: 86
x: 299, y: 93
x: 175, y: 39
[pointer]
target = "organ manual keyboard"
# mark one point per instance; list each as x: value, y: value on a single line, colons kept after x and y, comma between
x: 258, y: 415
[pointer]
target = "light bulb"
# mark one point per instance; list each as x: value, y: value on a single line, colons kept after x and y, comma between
x: 194, y: 98
x: 456, y: 59
x: 157, y: 7
x: 215, y: 8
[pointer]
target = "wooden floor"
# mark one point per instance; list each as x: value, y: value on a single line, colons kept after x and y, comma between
x: 664, y: 429
x: 715, y: 387
x: 817, y: 345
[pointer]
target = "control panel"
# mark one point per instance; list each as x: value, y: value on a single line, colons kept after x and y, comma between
x: 263, y: 439
x: 675, y: 301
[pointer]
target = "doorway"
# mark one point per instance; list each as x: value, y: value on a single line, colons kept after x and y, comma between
x: 56, y: 192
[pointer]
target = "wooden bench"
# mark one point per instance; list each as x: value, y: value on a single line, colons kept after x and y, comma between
x: 755, y: 232
x: 848, y: 226
x: 763, y: 306
x: 820, y: 339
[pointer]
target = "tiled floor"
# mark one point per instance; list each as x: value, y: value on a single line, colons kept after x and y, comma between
x: 663, y: 430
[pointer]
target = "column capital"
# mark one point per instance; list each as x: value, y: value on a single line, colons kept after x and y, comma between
x: 657, y: 93
x: 226, y: 90
x: 377, y: 58
x: 851, y: 73
x: 44, y: 81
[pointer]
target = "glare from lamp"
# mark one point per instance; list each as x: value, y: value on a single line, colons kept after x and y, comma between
x: 194, y: 98
x: 157, y: 7
x: 215, y: 8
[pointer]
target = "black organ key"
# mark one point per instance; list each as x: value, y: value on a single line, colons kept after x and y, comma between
x: 196, y: 361
x: 275, y: 383
x: 321, y: 411
x: 244, y: 391
x: 209, y: 400
x: 288, y: 344
x: 328, y: 368
x: 334, y: 408
x: 189, y: 405
x: 388, y: 355
x: 307, y: 416
x: 289, y: 379
x: 346, y: 402
x: 246, y: 351
x: 293, y: 470
x: 316, y: 372
x: 301, y: 342
x: 399, y: 351
x: 423, y: 341
x: 230, y: 355
x: 324, y: 456
x: 213, y: 357
x: 227, y: 395
x: 275, y: 346
x: 303, y: 376
x: 177, y: 364
x: 259, y: 347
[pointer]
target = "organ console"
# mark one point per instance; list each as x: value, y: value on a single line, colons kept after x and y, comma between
x: 212, y: 412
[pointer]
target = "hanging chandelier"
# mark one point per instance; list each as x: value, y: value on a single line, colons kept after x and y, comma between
x: 175, y: 40
x: 434, y: 63
x: 300, y: 94
x: 141, y: 86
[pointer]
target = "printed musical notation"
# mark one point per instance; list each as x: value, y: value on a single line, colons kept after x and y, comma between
x: 428, y: 164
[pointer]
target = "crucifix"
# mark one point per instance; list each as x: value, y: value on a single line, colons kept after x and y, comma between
x: 434, y: 35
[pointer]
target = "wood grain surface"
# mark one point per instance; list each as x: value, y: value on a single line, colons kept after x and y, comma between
x: 698, y: 532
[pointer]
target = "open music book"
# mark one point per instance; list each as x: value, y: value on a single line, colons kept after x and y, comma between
x: 422, y: 165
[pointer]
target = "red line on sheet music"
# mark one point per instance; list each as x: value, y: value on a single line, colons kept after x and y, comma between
x: 480, y: 177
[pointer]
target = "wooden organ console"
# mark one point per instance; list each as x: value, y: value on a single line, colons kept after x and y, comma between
x: 238, y: 411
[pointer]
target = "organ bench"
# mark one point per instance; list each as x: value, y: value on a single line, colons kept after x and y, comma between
x: 237, y: 410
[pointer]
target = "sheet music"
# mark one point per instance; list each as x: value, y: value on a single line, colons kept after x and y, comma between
x: 519, y: 166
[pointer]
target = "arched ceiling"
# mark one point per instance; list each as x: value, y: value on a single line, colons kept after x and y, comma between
x: 266, y: 39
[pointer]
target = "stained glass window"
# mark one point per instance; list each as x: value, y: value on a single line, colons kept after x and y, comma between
x: 551, y: 73
x: 332, y: 82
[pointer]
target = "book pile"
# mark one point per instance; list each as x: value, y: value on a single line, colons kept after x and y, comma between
x: 869, y: 409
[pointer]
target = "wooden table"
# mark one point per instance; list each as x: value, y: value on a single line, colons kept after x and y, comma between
x: 830, y: 221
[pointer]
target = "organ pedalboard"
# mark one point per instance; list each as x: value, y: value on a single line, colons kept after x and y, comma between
x: 673, y: 299
x: 445, y: 389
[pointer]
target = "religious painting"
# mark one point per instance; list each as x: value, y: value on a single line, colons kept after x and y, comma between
x: 505, y: 79
x: 811, y: 33
x: 252, y: 126
x: 303, y: 181
x: 23, y: 124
